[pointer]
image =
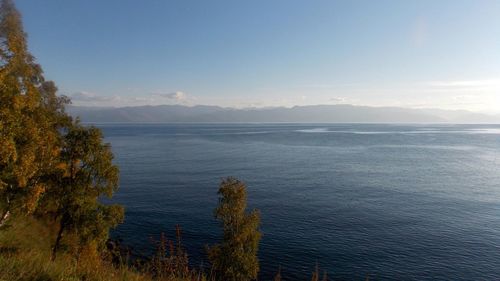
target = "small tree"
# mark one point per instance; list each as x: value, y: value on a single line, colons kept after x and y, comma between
x: 235, y: 258
x: 85, y: 173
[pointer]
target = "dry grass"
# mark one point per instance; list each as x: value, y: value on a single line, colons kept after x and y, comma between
x: 25, y: 248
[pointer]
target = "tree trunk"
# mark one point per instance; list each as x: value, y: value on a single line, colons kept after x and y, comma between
x: 4, y: 218
x: 58, y: 241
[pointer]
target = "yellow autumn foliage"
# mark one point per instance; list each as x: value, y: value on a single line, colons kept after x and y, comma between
x: 8, y: 151
x: 30, y: 117
x: 33, y: 198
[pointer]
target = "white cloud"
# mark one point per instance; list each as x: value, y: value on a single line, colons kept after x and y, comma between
x: 92, y: 99
x: 178, y: 96
x: 338, y: 99
x: 465, y: 83
x: 464, y: 97
x: 84, y: 98
x: 481, y: 95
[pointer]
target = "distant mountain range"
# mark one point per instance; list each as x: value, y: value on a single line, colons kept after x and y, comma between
x: 299, y: 114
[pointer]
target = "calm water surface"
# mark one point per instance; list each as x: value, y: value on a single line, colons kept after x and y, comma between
x: 393, y: 202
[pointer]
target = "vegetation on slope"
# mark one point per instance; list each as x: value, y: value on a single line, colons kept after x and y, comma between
x: 25, y: 254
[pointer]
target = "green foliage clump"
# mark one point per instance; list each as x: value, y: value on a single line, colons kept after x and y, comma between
x: 49, y: 164
x: 235, y: 258
x: 85, y: 172
x: 31, y: 116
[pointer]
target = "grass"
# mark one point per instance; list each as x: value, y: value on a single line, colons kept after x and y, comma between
x: 25, y: 251
x: 25, y: 255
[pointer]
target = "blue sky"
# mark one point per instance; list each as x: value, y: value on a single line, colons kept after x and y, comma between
x: 432, y: 54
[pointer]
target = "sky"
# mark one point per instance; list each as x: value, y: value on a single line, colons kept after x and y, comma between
x: 261, y: 53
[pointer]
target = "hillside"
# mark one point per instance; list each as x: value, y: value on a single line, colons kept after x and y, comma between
x: 299, y: 114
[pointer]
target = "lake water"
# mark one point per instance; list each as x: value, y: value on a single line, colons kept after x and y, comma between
x: 392, y: 202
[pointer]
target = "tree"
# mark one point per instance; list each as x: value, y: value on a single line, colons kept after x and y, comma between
x: 85, y: 173
x: 30, y: 116
x: 44, y: 155
x: 235, y: 258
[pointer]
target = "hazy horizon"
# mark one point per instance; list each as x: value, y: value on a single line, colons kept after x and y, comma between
x: 272, y: 106
x: 339, y: 113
